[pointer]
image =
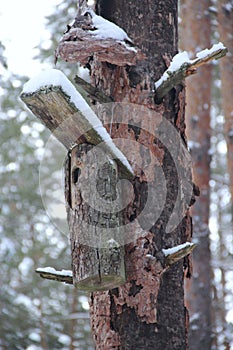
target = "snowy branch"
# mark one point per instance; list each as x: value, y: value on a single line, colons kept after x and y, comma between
x: 52, y: 274
x: 174, y: 254
x: 181, y: 67
x: 55, y: 101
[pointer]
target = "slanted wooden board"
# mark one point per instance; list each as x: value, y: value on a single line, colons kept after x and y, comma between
x: 68, y: 124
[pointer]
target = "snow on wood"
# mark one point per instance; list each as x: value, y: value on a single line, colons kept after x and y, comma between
x: 175, y: 249
x: 54, y: 77
x: 56, y: 102
x: 105, y: 29
x: 207, y: 52
x: 181, y: 67
x: 176, y: 253
x: 175, y: 64
x: 52, y: 274
x: 170, y: 256
x: 91, y: 36
x: 54, y: 271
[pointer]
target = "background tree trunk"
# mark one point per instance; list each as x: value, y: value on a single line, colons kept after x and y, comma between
x: 225, y: 19
x: 144, y: 313
x: 195, y: 33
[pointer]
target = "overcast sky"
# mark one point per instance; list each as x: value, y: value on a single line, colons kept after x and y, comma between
x: 22, y: 28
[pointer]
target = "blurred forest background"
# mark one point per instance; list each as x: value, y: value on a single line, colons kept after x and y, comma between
x: 38, y: 314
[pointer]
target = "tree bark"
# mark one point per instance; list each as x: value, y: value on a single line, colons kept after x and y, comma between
x: 96, y: 235
x: 194, y: 16
x: 225, y: 19
x: 148, y: 311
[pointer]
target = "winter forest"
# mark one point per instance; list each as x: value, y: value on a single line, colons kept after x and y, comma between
x: 40, y: 314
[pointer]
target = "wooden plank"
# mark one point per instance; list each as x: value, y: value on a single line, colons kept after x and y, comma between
x: 68, y: 124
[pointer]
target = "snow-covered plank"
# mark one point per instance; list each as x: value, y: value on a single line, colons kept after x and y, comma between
x: 56, y: 102
x: 174, y: 254
x: 55, y: 275
x: 181, y: 67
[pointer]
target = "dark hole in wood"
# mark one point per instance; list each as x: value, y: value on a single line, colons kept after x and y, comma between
x: 136, y: 129
x: 134, y: 76
x: 134, y: 289
x: 76, y: 174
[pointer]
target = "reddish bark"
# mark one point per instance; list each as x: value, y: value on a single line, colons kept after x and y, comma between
x: 148, y: 311
x: 196, y: 30
x: 225, y: 20
x: 80, y: 45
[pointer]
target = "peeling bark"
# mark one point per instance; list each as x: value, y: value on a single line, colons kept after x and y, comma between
x: 80, y: 45
x: 148, y: 311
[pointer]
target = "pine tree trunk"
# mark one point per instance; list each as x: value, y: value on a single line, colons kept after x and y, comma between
x: 148, y: 311
x: 195, y: 15
x: 225, y: 19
